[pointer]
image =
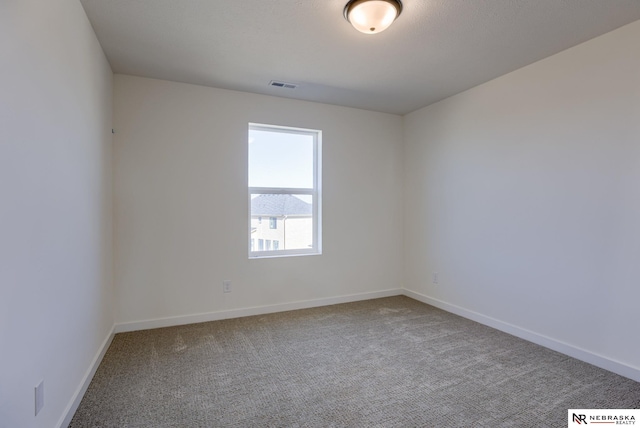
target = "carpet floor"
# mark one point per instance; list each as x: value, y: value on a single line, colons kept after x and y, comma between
x: 392, y: 362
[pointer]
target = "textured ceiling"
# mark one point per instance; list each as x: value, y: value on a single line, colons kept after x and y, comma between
x: 435, y: 49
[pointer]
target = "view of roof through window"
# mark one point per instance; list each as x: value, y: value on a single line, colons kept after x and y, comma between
x: 284, y: 201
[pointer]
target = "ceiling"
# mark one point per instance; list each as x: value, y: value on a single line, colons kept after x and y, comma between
x: 435, y: 49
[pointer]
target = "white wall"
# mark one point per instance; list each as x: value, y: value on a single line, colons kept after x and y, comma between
x: 181, y: 201
x: 56, y: 304
x: 524, y: 195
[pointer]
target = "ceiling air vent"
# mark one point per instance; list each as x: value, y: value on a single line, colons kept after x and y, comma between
x: 282, y: 84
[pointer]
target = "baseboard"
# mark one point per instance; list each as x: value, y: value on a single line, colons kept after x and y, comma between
x: 67, y: 415
x: 548, y: 342
x: 256, y: 310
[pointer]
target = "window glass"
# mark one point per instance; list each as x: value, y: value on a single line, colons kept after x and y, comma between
x: 284, y: 182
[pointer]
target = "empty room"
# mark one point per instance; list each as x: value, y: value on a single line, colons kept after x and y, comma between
x: 319, y: 213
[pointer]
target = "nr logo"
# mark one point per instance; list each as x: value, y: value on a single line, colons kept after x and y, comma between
x: 579, y: 419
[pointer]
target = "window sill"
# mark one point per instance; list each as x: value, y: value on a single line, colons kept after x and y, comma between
x: 272, y: 255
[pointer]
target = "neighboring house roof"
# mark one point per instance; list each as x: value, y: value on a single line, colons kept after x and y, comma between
x: 279, y: 205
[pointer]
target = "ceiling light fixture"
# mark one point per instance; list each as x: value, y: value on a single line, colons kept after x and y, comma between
x: 372, y: 16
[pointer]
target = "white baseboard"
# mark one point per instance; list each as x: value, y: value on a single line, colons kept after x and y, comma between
x: 256, y: 310
x: 68, y: 413
x: 548, y: 342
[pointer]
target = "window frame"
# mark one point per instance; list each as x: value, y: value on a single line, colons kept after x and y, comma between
x: 315, y: 193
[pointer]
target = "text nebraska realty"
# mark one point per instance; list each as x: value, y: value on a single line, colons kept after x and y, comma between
x: 618, y: 420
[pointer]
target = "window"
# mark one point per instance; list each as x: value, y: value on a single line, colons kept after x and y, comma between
x: 284, y: 185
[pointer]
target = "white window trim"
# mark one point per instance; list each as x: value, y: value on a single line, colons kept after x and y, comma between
x: 315, y: 192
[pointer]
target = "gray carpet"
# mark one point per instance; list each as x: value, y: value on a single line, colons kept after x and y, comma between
x: 391, y: 362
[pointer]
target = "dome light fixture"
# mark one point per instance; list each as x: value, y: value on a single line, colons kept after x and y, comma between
x: 372, y: 16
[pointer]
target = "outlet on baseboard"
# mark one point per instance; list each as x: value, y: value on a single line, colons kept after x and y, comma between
x: 39, y: 396
x: 436, y: 277
x: 226, y: 286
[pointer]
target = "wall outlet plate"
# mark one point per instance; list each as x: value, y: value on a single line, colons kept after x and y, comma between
x: 226, y: 286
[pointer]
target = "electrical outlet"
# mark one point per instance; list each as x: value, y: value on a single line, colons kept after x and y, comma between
x: 226, y: 286
x: 39, y: 397
x: 435, y: 277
